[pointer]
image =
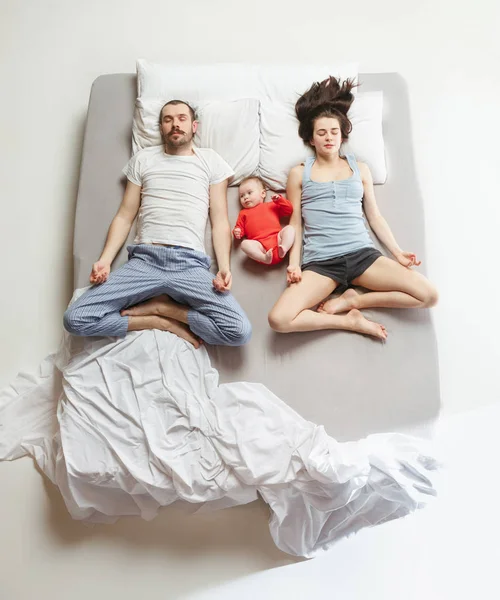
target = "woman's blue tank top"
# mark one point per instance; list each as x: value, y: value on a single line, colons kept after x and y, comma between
x: 332, y: 213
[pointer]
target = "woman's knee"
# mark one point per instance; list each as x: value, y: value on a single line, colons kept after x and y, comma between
x: 429, y: 296
x: 279, y: 321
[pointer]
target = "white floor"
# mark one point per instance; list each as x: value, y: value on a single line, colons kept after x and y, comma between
x: 444, y: 552
x: 448, y: 550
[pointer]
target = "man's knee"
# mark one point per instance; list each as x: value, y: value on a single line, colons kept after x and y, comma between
x: 75, y: 323
x: 244, y: 331
x: 238, y: 332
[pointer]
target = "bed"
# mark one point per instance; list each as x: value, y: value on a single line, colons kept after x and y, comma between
x: 351, y: 384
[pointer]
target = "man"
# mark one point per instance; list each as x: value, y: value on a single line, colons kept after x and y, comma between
x: 180, y: 186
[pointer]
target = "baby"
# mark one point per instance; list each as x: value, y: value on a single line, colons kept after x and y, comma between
x: 259, y: 222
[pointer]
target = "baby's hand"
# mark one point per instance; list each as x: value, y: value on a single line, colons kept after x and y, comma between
x: 237, y: 233
x: 275, y: 197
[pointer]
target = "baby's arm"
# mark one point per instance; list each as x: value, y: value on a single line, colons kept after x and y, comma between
x: 239, y: 228
x: 284, y: 206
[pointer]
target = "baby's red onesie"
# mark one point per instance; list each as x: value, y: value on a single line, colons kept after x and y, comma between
x: 262, y: 223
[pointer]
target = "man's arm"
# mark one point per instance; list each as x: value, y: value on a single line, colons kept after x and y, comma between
x: 221, y: 234
x: 117, y: 232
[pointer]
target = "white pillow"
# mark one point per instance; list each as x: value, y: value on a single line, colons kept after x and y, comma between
x: 233, y: 86
x: 286, y: 83
x: 366, y: 140
x: 231, y: 81
x: 281, y: 148
x: 231, y: 128
x: 196, y: 83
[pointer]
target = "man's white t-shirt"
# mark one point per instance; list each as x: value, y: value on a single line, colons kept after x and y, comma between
x: 175, y: 194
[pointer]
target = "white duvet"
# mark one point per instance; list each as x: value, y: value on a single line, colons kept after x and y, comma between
x: 125, y: 427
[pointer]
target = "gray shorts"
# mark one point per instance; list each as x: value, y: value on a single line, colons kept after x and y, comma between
x: 343, y: 269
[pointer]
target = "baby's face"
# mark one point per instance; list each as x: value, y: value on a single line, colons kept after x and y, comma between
x: 251, y: 193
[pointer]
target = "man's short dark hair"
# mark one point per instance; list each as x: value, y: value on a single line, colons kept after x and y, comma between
x: 175, y: 103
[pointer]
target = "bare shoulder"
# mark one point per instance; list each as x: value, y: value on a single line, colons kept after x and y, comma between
x: 364, y: 170
x: 296, y: 173
x: 298, y: 169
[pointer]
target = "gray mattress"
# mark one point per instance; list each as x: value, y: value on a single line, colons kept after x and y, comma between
x: 351, y: 384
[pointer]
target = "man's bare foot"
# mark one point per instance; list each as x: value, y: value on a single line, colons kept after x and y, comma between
x: 343, y: 303
x: 158, y: 306
x: 180, y: 329
x: 362, y: 325
x: 268, y: 257
x: 141, y: 323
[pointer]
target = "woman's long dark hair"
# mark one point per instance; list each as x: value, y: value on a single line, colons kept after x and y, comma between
x: 328, y: 98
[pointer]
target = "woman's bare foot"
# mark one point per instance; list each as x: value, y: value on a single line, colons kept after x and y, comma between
x: 343, y: 303
x: 158, y: 306
x: 362, y: 325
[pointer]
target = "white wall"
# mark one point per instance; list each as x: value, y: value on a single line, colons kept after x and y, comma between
x: 448, y: 53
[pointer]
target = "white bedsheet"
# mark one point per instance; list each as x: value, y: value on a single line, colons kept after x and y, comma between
x: 125, y: 427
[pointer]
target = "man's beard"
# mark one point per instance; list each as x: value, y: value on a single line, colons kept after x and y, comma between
x: 182, y: 140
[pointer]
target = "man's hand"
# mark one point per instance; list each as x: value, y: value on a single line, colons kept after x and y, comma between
x: 293, y: 275
x: 100, y: 272
x: 408, y: 259
x: 223, y: 281
x: 237, y: 233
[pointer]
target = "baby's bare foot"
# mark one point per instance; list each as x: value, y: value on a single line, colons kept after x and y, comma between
x: 268, y: 257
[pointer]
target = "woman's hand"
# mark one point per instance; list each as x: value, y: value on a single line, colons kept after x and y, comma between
x: 408, y: 259
x: 293, y: 274
x: 100, y: 272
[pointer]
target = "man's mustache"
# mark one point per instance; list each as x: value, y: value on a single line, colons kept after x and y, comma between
x: 176, y: 131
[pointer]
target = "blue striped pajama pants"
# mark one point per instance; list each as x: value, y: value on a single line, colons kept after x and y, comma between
x: 152, y: 270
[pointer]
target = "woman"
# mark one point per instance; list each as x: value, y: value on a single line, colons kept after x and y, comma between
x: 328, y: 194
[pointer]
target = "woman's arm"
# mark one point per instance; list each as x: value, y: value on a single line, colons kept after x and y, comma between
x: 294, y: 194
x: 378, y: 223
